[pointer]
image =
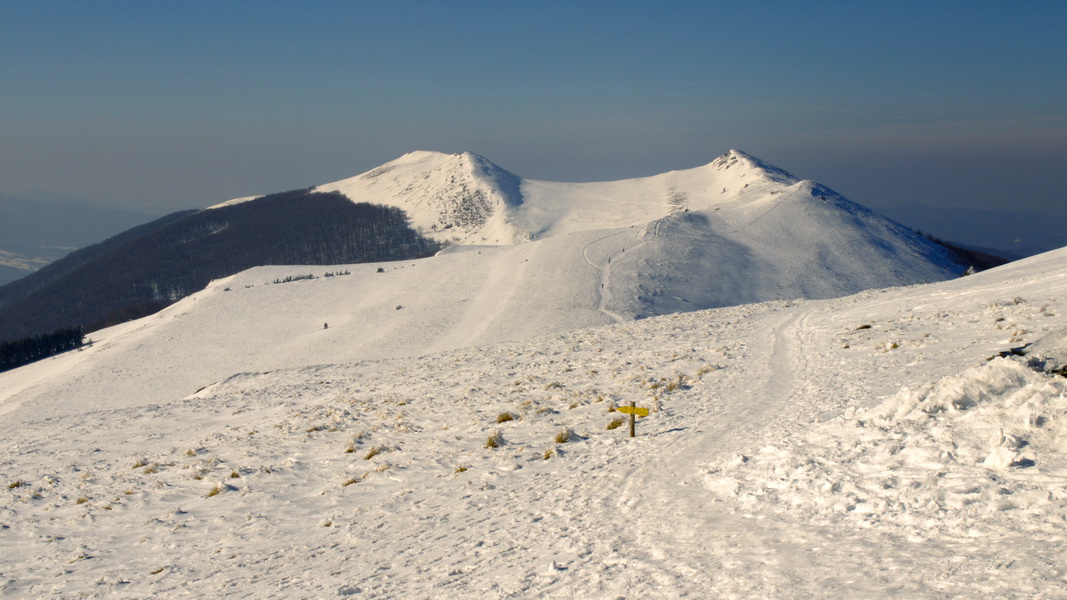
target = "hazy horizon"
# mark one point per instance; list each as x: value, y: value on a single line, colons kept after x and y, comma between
x: 157, y: 108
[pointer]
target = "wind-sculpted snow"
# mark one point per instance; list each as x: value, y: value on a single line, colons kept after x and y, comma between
x: 1051, y: 350
x: 980, y: 453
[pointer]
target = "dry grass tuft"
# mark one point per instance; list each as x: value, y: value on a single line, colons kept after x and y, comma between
x: 495, y: 440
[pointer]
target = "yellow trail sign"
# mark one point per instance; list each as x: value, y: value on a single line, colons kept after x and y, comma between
x: 632, y: 410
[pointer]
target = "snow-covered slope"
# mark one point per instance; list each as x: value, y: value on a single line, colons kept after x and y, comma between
x: 466, y: 199
x: 324, y: 431
x: 735, y: 230
x: 732, y: 232
x: 852, y: 447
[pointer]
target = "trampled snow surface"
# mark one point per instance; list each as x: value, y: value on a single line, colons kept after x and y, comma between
x: 858, y: 447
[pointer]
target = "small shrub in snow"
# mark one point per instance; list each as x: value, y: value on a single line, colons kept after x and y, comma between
x: 81, y: 500
x: 564, y: 435
x: 15, y: 484
x: 616, y: 423
x: 504, y: 417
x: 215, y: 491
x: 375, y: 451
x: 292, y: 278
x: 549, y: 452
x: 678, y: 382
x: 350, y: 481
x: 495, y: 440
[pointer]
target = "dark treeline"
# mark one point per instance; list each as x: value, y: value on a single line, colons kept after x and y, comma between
x: 976, y: 258
x: 27, y: 350
x: 21, y: 289
x: 181, y: 255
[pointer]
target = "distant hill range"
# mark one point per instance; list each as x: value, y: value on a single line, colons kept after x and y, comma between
x: 1009, y: 233
x: 37, y: 228
x: 734, y: 231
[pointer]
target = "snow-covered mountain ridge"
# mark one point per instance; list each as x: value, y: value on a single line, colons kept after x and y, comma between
x: 733, y: 231
x: 466, y: 199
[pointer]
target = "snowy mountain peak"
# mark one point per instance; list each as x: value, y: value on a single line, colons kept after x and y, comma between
x: 737, y: 162
x: 463, y: 197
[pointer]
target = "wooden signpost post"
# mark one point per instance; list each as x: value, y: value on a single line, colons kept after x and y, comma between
x: 634, y: 412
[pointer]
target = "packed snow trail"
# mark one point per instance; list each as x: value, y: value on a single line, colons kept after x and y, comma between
x: 672, y: 513
x: 615, y: 249
x: 664, y: 497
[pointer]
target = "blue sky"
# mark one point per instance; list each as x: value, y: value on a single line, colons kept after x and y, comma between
x: 160, y: 106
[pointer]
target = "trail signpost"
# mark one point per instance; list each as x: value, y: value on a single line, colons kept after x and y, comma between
x: 634, y: 412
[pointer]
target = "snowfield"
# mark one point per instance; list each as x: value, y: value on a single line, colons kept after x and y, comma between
x: 833, y: 413
x: 852, y: 447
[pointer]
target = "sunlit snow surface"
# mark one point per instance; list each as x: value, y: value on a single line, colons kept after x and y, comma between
x: 328, y: 436
x: 860, y: 447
